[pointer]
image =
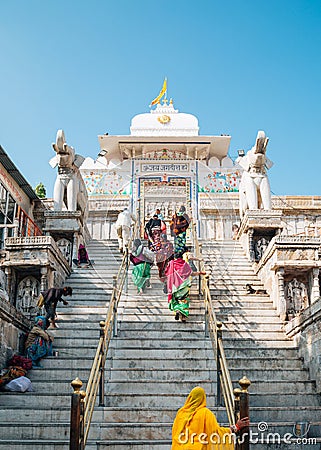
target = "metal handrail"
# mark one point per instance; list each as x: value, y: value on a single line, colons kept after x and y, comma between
x: 224, y: 383
x: 108, y: 327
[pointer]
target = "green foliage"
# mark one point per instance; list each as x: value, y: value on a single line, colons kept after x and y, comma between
x: 40, y: 190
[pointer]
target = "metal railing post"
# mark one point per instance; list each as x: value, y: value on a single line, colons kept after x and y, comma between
x: 218, y: 365
x: 77, y: 416
x: 199, y: 268
x: 102, y: 365
x: 127, y: 267
x: 244, y: 412
x: 206, y: 328
x: 237, y: 392
x: 115, y: 325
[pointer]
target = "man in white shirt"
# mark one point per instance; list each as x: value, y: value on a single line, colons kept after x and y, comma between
x: 124, y: 221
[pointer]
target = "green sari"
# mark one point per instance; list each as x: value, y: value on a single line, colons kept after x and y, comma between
x: 180, y: 298
x: 141, y: 275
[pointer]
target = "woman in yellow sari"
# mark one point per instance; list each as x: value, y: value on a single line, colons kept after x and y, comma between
x: 195, y: 426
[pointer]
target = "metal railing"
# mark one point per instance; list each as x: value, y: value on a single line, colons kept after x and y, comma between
x: 213, y: 328
x: 83, y: 402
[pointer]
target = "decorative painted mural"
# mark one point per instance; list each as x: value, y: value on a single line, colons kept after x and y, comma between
x: 216, y: 181
x: 106, y: 182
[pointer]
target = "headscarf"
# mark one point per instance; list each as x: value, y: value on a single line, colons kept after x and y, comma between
x: 41, y: 322
x: 137, y: 247
x: 195, y: 401
x: 195, y: 417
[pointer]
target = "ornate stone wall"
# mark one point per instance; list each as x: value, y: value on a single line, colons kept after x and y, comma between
x: 306, y: 329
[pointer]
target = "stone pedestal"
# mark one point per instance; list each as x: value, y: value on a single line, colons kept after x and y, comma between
x: 289, y: 270
x: 257, y: 229
x: 33, y: 263
x: 66, y: 227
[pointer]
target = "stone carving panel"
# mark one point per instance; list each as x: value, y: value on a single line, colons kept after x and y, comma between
x: 3, y: 284
x: 260, y: 246
x: 65, y: 246
x: 296, y: 295
x: 27, y: 296
x: 297, y: 254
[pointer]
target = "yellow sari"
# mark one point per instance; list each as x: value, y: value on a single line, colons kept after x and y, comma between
x: 195, y: 426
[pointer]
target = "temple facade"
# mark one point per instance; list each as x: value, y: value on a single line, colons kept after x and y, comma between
x: 164, y: 163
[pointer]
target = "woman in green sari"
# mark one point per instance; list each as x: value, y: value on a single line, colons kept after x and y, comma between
x: 142, y: 259
x: 179, y: 279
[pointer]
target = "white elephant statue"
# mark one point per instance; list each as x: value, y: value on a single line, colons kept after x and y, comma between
x: 254, y: 190
x: 69, y: 184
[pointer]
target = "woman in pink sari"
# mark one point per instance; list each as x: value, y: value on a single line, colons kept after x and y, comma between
x: 179, y: 273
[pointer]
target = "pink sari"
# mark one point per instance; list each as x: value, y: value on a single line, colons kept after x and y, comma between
x: 177, y: 271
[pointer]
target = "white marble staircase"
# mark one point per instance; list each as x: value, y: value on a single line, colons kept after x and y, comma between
x: 256, y: 346
x: 155, y: 361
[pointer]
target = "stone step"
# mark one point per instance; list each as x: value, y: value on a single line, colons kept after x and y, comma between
x: 81, y: 310
x: 154, y: 414
x: 266, y: 364
x: 300, y: 388
x: 169, y: 363
x: 92, y: 332
x: 89, y: 322
x: 251, y: 328
x: 131, y: 325
x: 254, y: 375
x: 162, y: 399
x: 179, y: 353
x: 34, y: 400
x: 250, y: 352
x: 79, y: 316
x: 43, y: 443
x: 66, y: 362
x: 77, y: 351
x: 134, y: 343
x: 149, y: 318
x: 244, y: 308
x: 66, y: 374
x: 137, y: 387
x: 260, y: 334
x: 146, y: 399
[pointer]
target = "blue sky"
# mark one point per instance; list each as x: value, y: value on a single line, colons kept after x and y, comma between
x: 89, y: 66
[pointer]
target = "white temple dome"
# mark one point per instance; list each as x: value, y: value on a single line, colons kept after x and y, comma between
x: 164, y: 121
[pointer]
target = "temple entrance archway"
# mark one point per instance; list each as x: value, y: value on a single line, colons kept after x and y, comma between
x: 167, y: 195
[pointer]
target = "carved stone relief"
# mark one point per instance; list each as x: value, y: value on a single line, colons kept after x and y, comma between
x: 27, y: 296
x: 296, y: 296
x: 65, y: 247
x: 3, y: 289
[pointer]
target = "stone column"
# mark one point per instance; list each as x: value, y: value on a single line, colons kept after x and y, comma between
x: 16, y: 228
x: 74, y: 247
x: 251, y: 244
x: 8, y: 272
x: 44, y: 278
x: 315, y: 294
x: 281, y: 306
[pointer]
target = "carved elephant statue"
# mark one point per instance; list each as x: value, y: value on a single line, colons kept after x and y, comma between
x: 254, y: 190
x: 69, y: 186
